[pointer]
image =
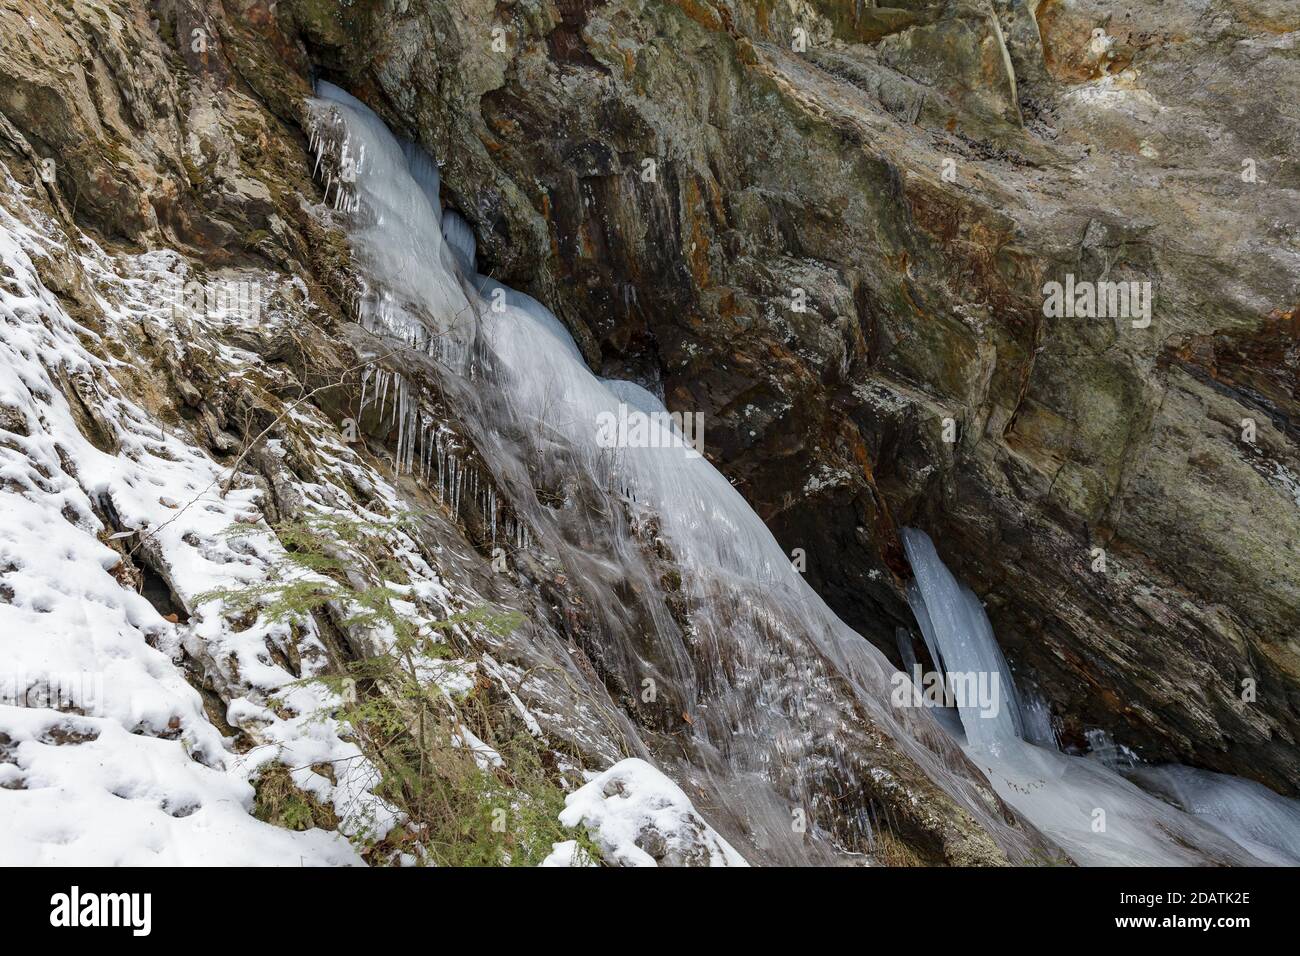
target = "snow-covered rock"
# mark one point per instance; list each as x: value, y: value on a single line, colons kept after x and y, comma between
x: 638, y: 817
x: 107, y: 756
x: 568, y: 853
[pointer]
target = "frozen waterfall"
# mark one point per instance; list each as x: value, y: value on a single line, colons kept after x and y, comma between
x: 1092, y: 811
x: 767, y: 686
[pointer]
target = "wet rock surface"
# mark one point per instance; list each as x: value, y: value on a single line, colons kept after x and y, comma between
x: 668, y: 176
x: 837, y: 254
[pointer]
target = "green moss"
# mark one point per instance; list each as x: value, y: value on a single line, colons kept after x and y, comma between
x: 255, y: 238
x: 281, y: 803
x: 192, y: 172
x: 457, y: 812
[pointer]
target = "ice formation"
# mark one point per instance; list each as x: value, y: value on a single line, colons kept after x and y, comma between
x: 756, y: 663
x: 1092, y: 810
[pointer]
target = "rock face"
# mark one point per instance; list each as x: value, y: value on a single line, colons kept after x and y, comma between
x: 826, y: 226
x: 142, y: 147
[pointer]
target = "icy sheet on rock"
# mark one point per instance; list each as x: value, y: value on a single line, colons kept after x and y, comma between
x: 774, y: 686
x: 1095, y: 813
x: 787, y: 705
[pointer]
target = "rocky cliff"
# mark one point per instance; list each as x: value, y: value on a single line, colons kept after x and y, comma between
x: 669, y: 176
x: 828, y: 227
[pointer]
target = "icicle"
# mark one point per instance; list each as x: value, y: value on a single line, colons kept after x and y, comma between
x: 411, y: 459
x: 749, y: 611
x: 460, y: 479
x: 383, y: 392
x: 401, y: 429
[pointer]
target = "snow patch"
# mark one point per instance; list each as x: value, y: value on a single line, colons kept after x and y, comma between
x: 638, y: 817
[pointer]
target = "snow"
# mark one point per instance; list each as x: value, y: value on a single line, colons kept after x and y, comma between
x: 632, y: 804
x: 143, y: 756
x: 121, y: 763
x: 567, y: 853
x: 484, y: 755
x: 125, y: 768
x: 126, y: 799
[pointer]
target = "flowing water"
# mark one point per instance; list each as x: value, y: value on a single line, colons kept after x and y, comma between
x: 774, y: 705
x: 1089, y: 806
